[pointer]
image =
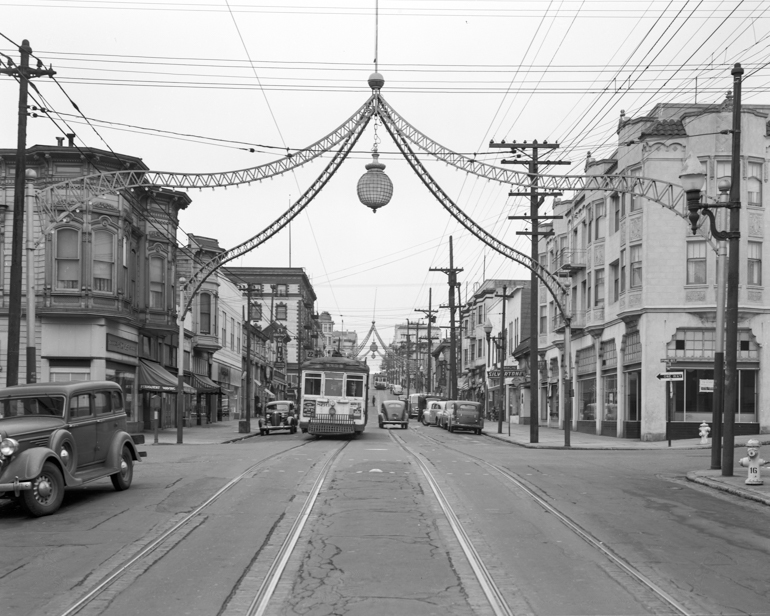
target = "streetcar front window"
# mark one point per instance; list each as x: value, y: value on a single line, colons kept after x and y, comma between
x: 355, y: 386
x: 313, y: 384
x: 333, y: 385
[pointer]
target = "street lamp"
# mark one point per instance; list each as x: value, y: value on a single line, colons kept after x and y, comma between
x: 693, y: 178
x: 487, y: 331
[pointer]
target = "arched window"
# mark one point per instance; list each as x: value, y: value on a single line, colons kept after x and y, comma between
x: 67, y: 259
x: 157, y: 283
x: 205, y: 313
x: 104, y: 261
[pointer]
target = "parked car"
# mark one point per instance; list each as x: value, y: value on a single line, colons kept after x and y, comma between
x: 278, y: 415
x: 393, y: 412
x: 423, y: 400
x: 55, y: 436
x: 463, y: 415
x: 430, y: 416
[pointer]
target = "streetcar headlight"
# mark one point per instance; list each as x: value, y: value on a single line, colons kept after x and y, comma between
x: 8, y: 447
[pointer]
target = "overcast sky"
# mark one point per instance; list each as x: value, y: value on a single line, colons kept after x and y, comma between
x: 194, y: 85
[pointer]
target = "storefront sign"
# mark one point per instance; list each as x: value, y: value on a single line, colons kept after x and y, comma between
x: 705, y: 386
x: 510, y: 373
x: 116, y: 344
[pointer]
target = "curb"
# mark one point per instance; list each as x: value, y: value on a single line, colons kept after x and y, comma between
x: 694, y: 477
x: 577, y: 447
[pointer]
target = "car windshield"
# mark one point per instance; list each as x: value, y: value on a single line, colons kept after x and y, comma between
x: 48, y: 406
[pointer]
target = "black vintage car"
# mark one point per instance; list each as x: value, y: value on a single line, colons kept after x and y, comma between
x: 393, y: 412
x: 278, y: 415
x: 61, y: 435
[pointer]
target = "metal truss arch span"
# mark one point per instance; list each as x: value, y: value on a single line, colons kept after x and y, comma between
x: 72, y: 193
x: 191, y: 287
x: 551, y: 282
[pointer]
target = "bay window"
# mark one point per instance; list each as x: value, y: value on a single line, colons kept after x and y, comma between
x: 67, y: 259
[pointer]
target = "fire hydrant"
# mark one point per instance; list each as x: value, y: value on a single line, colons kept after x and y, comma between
x: 704, y: 433
x: 753, y: 461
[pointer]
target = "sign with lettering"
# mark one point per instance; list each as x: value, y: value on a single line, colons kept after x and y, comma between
x: 116, y: 344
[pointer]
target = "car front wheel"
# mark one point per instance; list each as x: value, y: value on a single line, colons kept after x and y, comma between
x: 47, y: 491
x: 122, y: 479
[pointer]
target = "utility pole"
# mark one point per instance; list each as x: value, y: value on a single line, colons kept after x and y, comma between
x: 247, y: 423
x: 431, y: 319
x: 501, y: 350
x: 408, y: 380
x: 451, y: 271
x: 23, y: 73
x: 535, y: 201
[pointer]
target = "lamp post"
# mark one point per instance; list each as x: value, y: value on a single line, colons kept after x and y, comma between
x: 725, y: 387
x: 179, y: 367
x: 487, y: 331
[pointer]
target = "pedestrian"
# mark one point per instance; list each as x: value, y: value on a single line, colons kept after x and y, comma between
x: 374, y: 400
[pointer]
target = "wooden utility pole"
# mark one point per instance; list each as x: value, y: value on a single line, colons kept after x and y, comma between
x: 451, y: 271
x: 429, y: 313
x: 23, y: 73
x: 535, y: 201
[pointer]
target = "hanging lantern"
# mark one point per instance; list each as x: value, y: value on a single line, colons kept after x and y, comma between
x: 375, y: 188
x: 373, y: 349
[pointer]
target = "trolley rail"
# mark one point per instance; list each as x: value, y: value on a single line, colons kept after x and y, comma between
x: 180, y: 528
x: 511, y: 477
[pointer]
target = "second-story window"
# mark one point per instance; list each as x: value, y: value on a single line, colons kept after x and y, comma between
x: 280, y: 312
x: 67, y: 259
x: 104, y: 260
x: 224, y: 329
x: 205, y: 313
x: 754, y: 271
x: 157, y: 283
x: 754, y: 183
x: 232, y: 333
x: 599, y: 287
x: 636, y: 266
x: 696, y: 262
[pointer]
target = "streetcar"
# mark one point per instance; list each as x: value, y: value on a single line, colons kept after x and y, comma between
x: 380, y: 381
x: 335, y: 396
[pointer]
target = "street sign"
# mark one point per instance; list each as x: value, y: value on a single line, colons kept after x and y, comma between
x: 670, y: 376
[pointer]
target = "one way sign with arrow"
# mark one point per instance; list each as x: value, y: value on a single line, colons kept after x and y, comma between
x: 670, y: 376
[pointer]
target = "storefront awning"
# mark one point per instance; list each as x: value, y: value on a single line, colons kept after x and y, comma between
x: 270, y: 394
x: 203, y: 384
x: 154, y: 377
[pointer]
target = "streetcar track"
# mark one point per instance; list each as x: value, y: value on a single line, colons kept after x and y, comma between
x: 495, y: 598
x: 122, y: 569
x: 571, y: 525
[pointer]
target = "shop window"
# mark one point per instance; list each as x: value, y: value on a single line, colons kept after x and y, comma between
x: 157, y: 283
x: 696, y: 262
x: 104, y: 261
x: 205, y: 313
x: 67, y: 259
x: 610, y: 387
x: 587, y: 399
x: 754, y: 272
x: 636, y: 266
x: 633, y: 396
x: 65, y: 374
x: 754, y: 183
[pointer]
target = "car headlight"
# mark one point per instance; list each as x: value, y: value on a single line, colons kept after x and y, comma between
x: 8, y: 447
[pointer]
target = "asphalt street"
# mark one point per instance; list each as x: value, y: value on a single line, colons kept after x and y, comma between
x: 583, y: 531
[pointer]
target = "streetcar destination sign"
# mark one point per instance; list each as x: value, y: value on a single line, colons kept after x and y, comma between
x: 670, y: 376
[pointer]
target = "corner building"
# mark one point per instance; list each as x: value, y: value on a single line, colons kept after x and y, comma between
x: 643, y: 287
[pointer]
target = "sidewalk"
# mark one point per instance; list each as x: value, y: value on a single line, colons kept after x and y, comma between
x: 209, y: 434
x: 552, y: 438
x: 549, y: 438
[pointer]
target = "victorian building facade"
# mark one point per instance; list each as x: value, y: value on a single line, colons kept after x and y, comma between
x: 643, y: 287
x: 104, y: 278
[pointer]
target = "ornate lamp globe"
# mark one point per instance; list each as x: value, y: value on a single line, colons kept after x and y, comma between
x: 374, y: 187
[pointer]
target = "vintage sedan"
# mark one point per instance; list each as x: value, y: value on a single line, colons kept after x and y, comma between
x: 61, y: 435
x: 278, y: 415
x: 431, y: 416
x: 463, y: 415
x: 393, y: 412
